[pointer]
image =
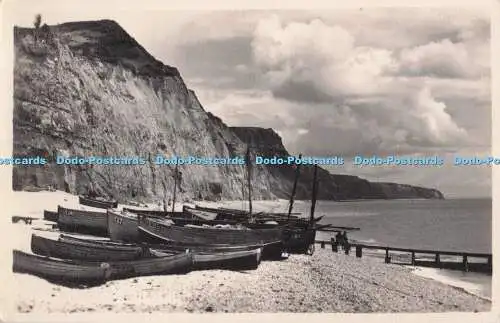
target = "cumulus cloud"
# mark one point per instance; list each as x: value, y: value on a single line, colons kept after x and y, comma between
x: 319, y: 63
x: 440, y: 59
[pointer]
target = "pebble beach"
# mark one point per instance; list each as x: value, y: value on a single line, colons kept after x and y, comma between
x: 324, y: 282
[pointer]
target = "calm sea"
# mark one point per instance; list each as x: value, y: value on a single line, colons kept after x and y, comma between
x: 454, y: 224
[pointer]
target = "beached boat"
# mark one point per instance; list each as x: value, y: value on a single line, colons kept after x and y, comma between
x: 170, y: 247
x: 50, y: 216
x: 81, y: 251
x: 61, y: 271
x: 208, y: 235
x: 123, y: 226
x: 204, y: 256
x: 223, y: 215
x: 82, y: 221
x: 242, y: 260
x: 156, y: 213
x: 97, y: 202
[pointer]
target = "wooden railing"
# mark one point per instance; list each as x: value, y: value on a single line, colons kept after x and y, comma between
x: 465, y: 265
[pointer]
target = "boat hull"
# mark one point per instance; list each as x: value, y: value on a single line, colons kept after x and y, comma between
x: 50, y: 215
x: 81, y: 251
x: 59, y: 271
x: 243, y: 260
x: 202, y: 235
x: 83, y: 200
x: 168, y: 264
x: 122, y: 227
x: 82, y: 221
x: 300, y: 240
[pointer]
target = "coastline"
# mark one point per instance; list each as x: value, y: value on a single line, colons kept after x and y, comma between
x: 324, y: 282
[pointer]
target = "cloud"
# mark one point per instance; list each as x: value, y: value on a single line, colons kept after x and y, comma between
x: 438, y: 59
x: 373, y: 87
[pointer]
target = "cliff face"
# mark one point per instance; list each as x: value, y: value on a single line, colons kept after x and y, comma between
x: 89, y: 89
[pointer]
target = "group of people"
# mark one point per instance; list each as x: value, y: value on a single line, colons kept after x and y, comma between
x: 341, y: 240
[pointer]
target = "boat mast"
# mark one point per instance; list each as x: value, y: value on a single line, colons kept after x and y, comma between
x: 249, y: 181
x: 176, y: 172
x: 314, y: 194
x: 294, y: 189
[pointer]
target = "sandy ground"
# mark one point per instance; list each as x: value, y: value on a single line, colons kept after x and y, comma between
x: 324, y: 282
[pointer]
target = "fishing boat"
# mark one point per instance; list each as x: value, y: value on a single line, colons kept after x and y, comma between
x: 50, y: 216
x: 80, y: 251
x: 82, y: 221
x: 208, y: 235
x: 97, y: 202
x: 123, y: 226
x: 60, y: 271
x: 261, y: 217
x: 301, y: 239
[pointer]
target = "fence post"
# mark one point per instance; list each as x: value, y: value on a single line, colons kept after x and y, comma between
x: 335, y: 247
x: 359, y: 251
x: 465, y: 263
x: 413, y: 258
x: 438, y: 260
x: 387, y: 258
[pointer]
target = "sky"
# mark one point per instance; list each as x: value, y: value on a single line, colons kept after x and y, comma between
x: 346, y: 82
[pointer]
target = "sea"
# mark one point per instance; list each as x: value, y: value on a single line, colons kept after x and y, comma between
x: 446, y: 225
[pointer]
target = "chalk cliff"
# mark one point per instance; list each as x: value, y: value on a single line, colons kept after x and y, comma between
x: 89, y: 89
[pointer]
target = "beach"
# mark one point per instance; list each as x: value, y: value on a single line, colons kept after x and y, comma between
x: 324, y: 282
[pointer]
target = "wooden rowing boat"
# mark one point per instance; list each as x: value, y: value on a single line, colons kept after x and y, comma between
x: 59, y: 271
x: 50, y: 216
x: 206, y: 256
x: 241, y: 260
x: 170, y: 247
x: 207, y: 235
x: 279, y: 218
x: 82, y: 221
x: 102, y: 204
x: 71, y: 272
x: 81, y: 251
x: 123, y: 226
x: 156, y: 213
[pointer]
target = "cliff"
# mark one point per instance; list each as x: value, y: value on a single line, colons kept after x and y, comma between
x: 89, y: 89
